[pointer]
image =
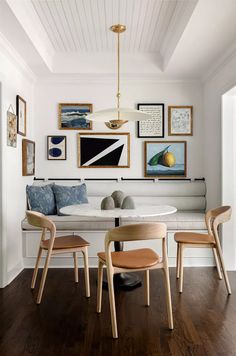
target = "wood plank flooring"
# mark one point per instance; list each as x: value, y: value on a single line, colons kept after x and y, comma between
x: 66, y: 322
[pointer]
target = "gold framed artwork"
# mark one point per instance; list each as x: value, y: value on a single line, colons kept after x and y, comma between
x: 180, y: 120
x: 73, y: 116
x: 165, y: 159
x: 21, y: 115
x: 104, y: 150
x: 28, y: 157
x: 11, y: 129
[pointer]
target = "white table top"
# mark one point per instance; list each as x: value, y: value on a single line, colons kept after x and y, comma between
x: 139, y: 211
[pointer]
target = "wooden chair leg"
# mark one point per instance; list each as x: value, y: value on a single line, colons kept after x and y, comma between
x: 36, y: 268
x: 76, y: 267
x: 86, y: 272
x: 112, y: 304
x: 168, y: 298
x: 177, y: 261
x: 167, y: 285
x: 147, y: 288
x: 99, y: 287
x: 181, y: 275
x: 217, y: 263
x: 43, y: 279
x: 219, y: 253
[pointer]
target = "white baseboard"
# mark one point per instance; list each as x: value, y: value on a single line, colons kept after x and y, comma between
x: 67, y: 262
x: 14, y: 272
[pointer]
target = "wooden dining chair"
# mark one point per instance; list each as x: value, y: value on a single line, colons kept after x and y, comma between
x: 56, y: 245
x: 144, y: 259
x: 213, y: 219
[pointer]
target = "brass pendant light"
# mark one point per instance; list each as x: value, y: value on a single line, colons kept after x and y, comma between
x: 117, y: 117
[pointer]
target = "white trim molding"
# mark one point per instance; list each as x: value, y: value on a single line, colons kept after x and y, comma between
x: 221, y: 62
x: 8, y: 50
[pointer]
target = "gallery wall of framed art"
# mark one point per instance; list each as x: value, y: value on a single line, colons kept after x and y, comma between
x: 167, y: 94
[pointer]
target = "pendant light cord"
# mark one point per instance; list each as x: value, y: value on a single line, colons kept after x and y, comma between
x: 118, y: 73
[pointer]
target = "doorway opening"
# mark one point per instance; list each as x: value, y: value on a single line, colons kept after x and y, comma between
x: 228, y: 175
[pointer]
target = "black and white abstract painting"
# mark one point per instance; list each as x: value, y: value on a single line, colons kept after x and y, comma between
x: 104, y: 150
x: 56, y: 148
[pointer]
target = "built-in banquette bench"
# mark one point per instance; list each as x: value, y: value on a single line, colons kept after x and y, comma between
x: 188, y: 197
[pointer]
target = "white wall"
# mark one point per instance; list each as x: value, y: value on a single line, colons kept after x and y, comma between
x: 102, y: 95
x: 223, y: 80
x: 13, y: 81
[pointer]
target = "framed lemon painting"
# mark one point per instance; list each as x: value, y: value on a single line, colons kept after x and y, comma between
x: 166, y: 159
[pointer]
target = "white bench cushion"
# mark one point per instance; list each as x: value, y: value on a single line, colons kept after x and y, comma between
x: 177, y: 221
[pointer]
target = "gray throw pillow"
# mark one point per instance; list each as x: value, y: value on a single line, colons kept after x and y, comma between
x: 41, y: 199
x: 66, y: 195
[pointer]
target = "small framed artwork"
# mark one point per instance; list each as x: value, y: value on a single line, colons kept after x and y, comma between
x: 73, y: 116
x: 166, y: 159
x: 21, y: 115
x: 11, y: 129
x: 56, y: 148
x: 28, y: 158
x: 154, y: 127
x: 104, y: 150
x: 180, y: 120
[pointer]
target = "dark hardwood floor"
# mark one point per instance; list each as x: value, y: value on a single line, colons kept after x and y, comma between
x: 66, y: 322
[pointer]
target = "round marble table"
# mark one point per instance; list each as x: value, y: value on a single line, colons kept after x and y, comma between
x: 123, y: 280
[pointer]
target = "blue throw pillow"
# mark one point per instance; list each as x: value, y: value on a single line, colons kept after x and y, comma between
x: 41, y: 199
x: 65, y: 195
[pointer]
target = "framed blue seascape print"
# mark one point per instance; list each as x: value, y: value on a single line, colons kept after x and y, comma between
x: 165, y: 159
x: 73, y: 116
x: 56, y: 148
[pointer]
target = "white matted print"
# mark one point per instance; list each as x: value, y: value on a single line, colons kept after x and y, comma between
x: 153, y: 127
x: 56, y: 148
x: 104, y: 150
x: 180, y: 120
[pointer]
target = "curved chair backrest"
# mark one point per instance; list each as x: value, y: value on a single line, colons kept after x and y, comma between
x: 39, y: 220
x: 217, y: 216
x: 135, y: 232
x: 148, y: 231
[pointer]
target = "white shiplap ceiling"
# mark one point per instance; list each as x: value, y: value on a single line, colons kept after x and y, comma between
x: 165, y: 38
x: 83, y: 25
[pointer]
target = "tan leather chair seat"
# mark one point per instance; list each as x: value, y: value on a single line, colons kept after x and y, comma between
x: 194, y: 238
x: 64, y: 242
x: 139, y: 258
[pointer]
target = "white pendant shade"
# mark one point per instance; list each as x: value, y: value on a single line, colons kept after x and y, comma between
x: 112, y: 114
